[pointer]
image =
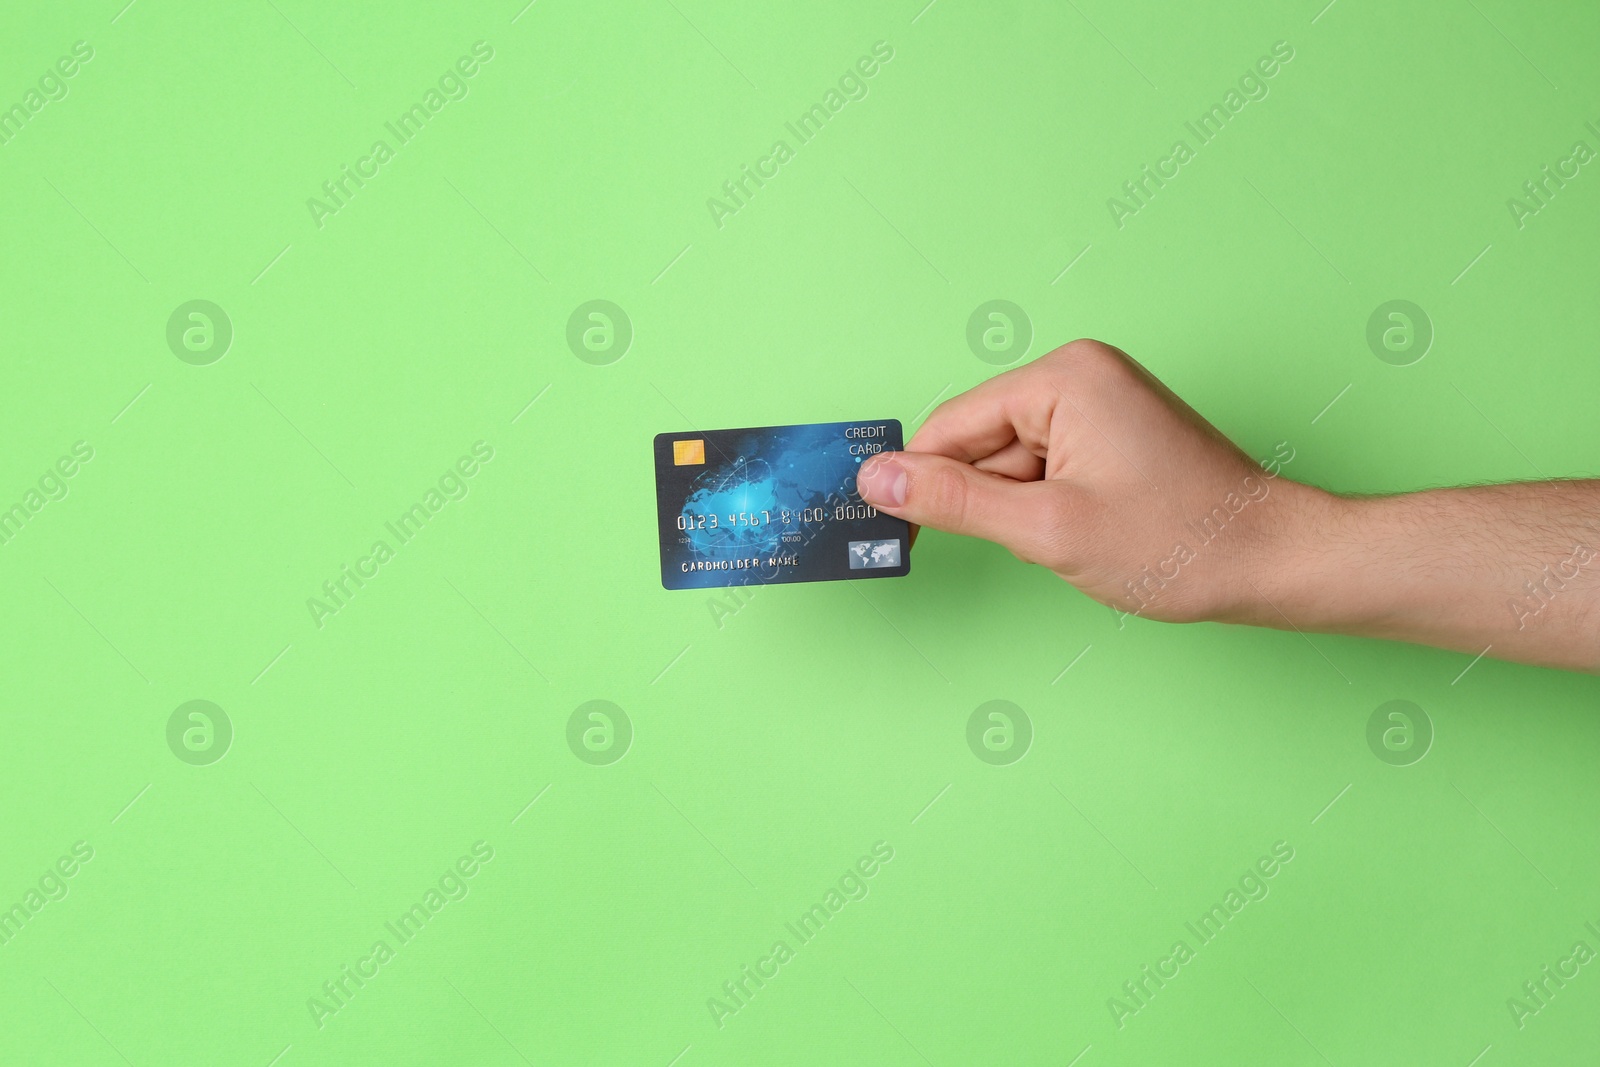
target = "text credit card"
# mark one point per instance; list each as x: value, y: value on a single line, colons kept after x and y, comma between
x: 774, y: 504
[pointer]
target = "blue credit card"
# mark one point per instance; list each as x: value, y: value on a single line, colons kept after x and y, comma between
x: 774, y: 504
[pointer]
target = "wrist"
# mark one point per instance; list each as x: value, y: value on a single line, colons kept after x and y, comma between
x: 1281, y: 580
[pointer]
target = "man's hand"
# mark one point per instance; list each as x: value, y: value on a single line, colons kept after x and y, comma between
x: 1084, y: 463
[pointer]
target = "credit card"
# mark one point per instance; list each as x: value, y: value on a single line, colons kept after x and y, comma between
x: 768, y: 505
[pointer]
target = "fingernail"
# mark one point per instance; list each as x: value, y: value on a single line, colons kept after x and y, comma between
x: 883, y: 482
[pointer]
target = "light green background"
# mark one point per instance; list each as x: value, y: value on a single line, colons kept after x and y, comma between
x: 772, y: 751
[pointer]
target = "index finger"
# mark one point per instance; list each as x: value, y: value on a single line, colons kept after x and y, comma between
x: 1013, y: 406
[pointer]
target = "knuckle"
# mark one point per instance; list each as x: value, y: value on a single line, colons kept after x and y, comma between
x: 945, y: 495
x: 1084, y: 352
x: 1058, y: 514
x: 1090, y: 364
x: 1080, y: 532
x: 1060, y: 529
x: 1079, y: 360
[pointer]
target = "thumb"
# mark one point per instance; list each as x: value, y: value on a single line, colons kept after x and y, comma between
x: 949, y: 495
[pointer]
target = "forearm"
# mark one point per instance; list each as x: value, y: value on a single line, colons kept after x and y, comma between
x: 1514, y: 569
